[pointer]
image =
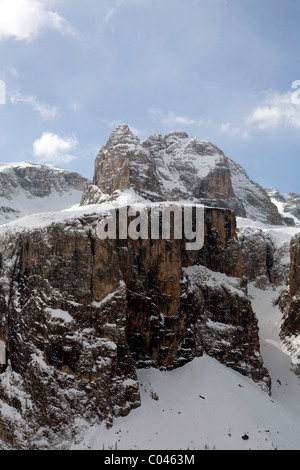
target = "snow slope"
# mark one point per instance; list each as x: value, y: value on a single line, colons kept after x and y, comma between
x: 280, y: 234
x: 24, y: 205
x: 286, y: 383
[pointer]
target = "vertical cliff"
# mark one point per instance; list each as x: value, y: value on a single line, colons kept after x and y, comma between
x: 290, y: 303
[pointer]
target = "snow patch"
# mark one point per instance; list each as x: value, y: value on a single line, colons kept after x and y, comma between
x: 58, y: 314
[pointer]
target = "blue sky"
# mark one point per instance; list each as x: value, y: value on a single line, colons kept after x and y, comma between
x: 219, y: 69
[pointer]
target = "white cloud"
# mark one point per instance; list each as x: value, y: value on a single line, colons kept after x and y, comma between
x: 229, y: 129
x: 25, y: 19
x: 170, y: 118
x: 44, y: 109
x: 51, y: 148
x: 277, y: 110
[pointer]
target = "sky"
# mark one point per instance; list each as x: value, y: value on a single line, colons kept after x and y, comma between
x: 227, y: 71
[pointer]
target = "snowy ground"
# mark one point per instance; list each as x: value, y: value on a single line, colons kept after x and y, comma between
x: 286, y: 384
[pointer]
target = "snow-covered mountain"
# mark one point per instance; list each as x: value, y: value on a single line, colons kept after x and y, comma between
x: 176, y: 167
x: 288, y: 205
x: 137, y: 344
x: 27, y: 188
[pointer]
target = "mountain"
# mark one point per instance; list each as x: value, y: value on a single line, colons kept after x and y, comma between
x: 176, y: 167
x: 288, y: 205
x: 121, y: 342
x: 27, y: 188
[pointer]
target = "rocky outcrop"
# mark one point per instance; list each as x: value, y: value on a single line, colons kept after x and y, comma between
x: 251, y: 254
x: 295, y: 267
x: 176, y: 167
x: 227, y: 324
x: 64, y: 326
x: 79, y: 314
x: 290, y: 303
x: 261, y: 260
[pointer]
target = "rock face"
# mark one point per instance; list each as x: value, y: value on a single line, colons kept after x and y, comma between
x: 79, y: 314
x: 295, y: 267
x: 261, y: 260
x: 64, y: 326
x: 290, y: 303
x: 27, y: 188
x: 176, y: 167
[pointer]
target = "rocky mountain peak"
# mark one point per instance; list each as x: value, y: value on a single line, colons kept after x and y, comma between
x: 122, y: 135
x: 177, y: 135
x: 176, y: 167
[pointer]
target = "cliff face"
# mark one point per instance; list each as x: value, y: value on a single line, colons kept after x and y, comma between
x: 176, y: 167
x: 295, y: 267
x: 64, y: 326
x: 79, y: 314
x: 290, y: 302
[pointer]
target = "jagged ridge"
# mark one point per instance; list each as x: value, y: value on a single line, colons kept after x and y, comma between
x: 176, y: 167
x: 27, y: 188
